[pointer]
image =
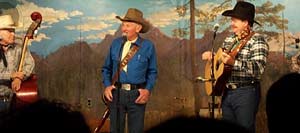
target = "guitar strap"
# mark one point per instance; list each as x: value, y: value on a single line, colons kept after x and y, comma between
x: 241, y: 45
x: 125, y: 61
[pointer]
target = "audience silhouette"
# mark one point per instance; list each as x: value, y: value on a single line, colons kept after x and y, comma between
x: 44, y: 116
x: 281, y: 104
x: 182, y: 124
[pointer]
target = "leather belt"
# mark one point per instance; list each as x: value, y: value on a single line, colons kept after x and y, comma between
x: 129, y: 87
x: 5, y: 83
x: 233, y: 86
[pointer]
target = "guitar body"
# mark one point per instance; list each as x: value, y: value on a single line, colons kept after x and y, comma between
x: 221, y: 71
x: 104, y: 124
x: 28, y: 92
x: 221, y: 75
x: 207, y: 75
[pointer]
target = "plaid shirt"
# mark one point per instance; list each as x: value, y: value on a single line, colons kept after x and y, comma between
x: 250, y: 61
x: 13, y: 55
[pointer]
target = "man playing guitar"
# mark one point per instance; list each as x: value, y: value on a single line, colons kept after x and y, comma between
x: 246, y: 55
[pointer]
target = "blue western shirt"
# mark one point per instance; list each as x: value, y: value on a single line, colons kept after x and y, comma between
x: 142, y: 68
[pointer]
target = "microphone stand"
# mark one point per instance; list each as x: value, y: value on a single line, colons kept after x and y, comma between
x: 212, y: 77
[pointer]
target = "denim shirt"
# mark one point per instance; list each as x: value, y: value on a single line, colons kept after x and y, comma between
x: 142, y: 68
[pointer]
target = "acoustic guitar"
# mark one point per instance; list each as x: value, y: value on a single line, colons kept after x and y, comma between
x: 221, y: 71
x: 104, y: 117
x: 28, y: 92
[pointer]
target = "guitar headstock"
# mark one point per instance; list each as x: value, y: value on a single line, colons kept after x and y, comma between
x: 37, y: 20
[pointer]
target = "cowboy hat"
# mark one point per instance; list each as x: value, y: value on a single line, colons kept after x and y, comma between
x: 6, y: 22
x: 135, y: 15
x: 242, y: 10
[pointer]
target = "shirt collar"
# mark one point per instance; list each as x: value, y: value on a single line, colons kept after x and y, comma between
x: 133, y: 41
x: 136, y: 41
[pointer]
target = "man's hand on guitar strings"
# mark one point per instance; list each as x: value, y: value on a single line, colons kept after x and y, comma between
x: 107, y: 92
x: 227, y: 59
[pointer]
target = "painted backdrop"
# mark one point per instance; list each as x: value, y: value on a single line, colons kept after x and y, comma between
x: 74, y: 37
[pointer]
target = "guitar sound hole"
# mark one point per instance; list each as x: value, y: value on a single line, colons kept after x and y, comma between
x: 218, y: 64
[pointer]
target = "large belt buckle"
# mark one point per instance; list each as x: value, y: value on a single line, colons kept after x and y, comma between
x: 4, y: 98
x: 232, y: 86
x: 126, y: 87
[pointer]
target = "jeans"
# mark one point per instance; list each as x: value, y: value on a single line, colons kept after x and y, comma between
x: 5, y: 102
x: 135, y: 112
x: 240, y: 106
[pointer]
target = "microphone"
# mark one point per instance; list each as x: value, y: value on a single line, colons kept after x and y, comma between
x: 216, y: 27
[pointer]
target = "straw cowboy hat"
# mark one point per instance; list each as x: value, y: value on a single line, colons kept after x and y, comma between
x: 242, y: 10
x: 6, y: 22
x: 135, y: 15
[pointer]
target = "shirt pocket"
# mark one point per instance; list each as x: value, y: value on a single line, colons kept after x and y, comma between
x: 141, y: 62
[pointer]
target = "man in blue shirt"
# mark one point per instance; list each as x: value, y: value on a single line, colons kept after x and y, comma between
x: 131, y: 91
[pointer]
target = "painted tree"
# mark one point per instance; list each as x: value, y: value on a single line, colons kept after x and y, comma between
x: 208, y: 13
x: 269, y: 15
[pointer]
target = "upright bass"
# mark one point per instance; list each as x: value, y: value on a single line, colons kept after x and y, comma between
x: 28, y: 92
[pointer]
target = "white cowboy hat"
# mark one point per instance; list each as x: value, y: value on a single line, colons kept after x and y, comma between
x: 6, y: 22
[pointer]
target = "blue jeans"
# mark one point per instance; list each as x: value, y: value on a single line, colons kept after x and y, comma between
x: 135, y: 112
x: 6, y: 96
x: 240, y: 106
x: 5, y: 103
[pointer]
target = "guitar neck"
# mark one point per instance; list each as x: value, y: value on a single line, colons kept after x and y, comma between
x: 243, y: 42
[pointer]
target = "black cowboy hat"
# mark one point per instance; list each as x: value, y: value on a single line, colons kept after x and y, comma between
x: 135, y: 15
x: 242, y: 10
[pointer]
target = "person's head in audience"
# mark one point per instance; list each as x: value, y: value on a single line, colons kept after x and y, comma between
x: 185, y: 124
x: 44, y: 116
x: 281, y: 104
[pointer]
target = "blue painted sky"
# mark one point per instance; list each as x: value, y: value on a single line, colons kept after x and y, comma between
x: 65, y: 21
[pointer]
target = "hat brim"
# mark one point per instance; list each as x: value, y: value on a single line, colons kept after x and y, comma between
x: 145, y: 25
x: 8, y: 27
x: 231, y: 13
